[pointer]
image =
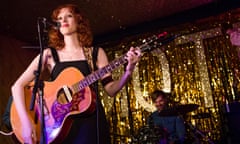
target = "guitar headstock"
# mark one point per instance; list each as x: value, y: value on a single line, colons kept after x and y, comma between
x: 156, y: 41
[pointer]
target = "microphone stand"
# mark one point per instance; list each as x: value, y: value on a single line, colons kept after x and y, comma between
x: 39, y: 86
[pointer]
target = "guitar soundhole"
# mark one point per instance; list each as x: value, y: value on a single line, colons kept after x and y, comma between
x: 64, y: 96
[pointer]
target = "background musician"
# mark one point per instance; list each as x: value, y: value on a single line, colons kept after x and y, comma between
x: 172, y: 124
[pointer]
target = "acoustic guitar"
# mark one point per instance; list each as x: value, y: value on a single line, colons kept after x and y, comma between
x: 69, y: 94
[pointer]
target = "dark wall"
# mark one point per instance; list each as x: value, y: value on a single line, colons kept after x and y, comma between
x: 13, y: 60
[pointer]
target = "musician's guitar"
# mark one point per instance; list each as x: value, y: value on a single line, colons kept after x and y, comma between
x: 69, y: 94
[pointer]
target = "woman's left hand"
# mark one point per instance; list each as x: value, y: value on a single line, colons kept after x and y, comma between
x: 133, y: 56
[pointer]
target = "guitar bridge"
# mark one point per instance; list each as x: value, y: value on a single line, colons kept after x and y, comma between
x: 64, y: 95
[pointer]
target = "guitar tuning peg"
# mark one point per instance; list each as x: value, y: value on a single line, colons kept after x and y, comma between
x: 144, y: 40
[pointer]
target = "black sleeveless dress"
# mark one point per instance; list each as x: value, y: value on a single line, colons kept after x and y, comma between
x: 85, y: 129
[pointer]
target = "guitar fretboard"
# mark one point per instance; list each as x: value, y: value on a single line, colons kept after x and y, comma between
x: 90, y: 79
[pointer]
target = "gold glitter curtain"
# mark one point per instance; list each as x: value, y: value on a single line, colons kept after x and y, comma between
x: 185, y: 75
x: 221, y: 61
x: 197, y: 68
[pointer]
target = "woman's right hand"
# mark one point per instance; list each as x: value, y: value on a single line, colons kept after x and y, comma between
x: 29, y: 133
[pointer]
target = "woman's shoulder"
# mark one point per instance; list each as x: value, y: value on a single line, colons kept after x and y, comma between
x: 100, y: 50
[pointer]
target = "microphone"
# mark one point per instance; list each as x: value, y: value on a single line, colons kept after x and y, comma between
x: 55, y: 25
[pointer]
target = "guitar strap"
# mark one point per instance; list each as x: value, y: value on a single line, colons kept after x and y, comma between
x: 88, y: 54
x: 91, y: 55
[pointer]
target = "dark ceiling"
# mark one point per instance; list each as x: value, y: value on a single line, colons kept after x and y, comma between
x: 108, y: 18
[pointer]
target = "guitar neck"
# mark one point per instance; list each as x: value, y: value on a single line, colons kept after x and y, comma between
x: 93, y: 77
x: 151, y: 42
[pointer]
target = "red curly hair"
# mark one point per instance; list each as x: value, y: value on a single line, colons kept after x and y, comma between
x: 83, y: 29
